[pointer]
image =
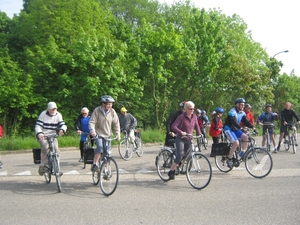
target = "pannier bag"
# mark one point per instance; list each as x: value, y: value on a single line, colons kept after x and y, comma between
x: 89, y: 156
x: 220, y: 148
x: 36, y: 155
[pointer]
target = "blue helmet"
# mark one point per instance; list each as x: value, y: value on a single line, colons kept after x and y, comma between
x: 239, y: 100
x: 203, y: 112
x: 219, y: 110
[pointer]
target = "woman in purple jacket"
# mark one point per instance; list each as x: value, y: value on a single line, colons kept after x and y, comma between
x: 185, y: 124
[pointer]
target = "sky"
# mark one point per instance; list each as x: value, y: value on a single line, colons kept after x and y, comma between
x: 273, y: 24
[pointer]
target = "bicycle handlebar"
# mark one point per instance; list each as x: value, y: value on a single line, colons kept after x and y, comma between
x: 107, y: 139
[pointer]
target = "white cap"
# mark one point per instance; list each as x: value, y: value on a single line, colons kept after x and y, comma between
x: 52, y: 105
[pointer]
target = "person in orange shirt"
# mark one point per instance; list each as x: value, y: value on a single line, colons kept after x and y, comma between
x: 216, y: 127
x: 249, y: 115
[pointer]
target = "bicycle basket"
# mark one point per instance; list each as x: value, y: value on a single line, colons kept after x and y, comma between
x: 220, y: 148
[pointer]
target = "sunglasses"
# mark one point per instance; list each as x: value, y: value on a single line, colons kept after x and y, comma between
x: 191, y: 109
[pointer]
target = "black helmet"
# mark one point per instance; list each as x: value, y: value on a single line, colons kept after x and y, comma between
x: 239, y: 100
x: 268, y: 105
x: 107, y: 98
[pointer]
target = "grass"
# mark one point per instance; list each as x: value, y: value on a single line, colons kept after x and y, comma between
x: 69, y: 140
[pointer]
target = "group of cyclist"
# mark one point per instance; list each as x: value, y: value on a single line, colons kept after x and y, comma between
x: 238, y: 117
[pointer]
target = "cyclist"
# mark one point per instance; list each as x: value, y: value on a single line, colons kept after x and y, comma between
x: 203, y: 121
x: 268, y: 116
x: 48, y: 123
x: 170, y: 134
x: 216, y: 126
x: 82, y: 126
x: 233, y: 129
x: 102, y: 120
x: 249, y: 114
x: 127, y: 123
x: 287, y: 115
x: 185, y: 124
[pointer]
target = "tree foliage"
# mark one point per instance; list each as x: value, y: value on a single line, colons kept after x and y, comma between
x: 148, y: 56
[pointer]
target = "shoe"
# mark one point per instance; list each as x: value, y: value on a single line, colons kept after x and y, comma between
x: 1, y: 165
x: 80, y: 160
x: 41, y: 170
x: 296, y: 143
x: 61, y: 173
x: 212, y: 155
x: 229, y: 163
x: 171, y: 174
x: 94, y: 167
x: 277, y: 148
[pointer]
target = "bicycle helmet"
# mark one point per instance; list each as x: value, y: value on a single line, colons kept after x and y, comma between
x: 239, y: 100
x: 219, y: 110
x: 248, y: 106
x: 182, y: 104
x: 107, y: 98
x: 203, y: 112
x: 198, y: 111
x: 268, y: 105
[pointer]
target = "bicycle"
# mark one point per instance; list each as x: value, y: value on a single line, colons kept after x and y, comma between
x: 108, y: 173
x: 258, y: 162
x: 195, y: 165
x: 52, y: 167
x: 202, y: 141
x: 290, y: 138
x: 266, y: 126
x: 126, y: 149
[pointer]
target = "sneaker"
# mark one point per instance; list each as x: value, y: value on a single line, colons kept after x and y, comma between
x: 229, y: 163
x: 41, y: 170
x: 171, y: 174
x: 296, y: 143
x: 80, y: 160
x: 276, y: 149
x: 94, y: 167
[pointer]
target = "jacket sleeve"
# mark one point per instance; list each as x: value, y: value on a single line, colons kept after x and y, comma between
x: 77, y: 124
x: 133, y: 122
x: 246, y: 122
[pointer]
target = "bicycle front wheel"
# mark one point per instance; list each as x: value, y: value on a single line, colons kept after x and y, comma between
x: 95, y: 177
x: 198, y: 171
x: 57, y: 173
x: 164, y: 163
x: 258, y: 162
x: 293, y: 142
x: 109, y: 176
x: 286, y: 142
x: 140, y: 149
x: 47, y: 171
x: 205, y: 143
x: 125, y: 150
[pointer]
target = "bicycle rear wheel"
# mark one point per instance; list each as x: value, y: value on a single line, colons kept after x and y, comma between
x: 57, y: 173
x: 109, y: 176
x: 95, y: 177
x: 198, y: 171
x: 258, y: 162
x: 164, y: 163
x: 140, y: 148
x: 125, y: 150
x: 221, y: 163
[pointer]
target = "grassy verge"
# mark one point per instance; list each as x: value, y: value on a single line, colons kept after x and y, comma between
x: 69, y: 140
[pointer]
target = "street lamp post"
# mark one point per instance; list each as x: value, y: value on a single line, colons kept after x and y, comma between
x: 279, y: 53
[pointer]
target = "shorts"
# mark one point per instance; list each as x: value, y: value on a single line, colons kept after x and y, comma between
x: 233, y: 135
x: 270, y: 129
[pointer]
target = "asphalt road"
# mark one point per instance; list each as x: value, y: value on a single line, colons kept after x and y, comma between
x: 142, y: 198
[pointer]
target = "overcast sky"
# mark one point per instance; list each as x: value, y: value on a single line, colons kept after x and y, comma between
x: 274, y: 24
